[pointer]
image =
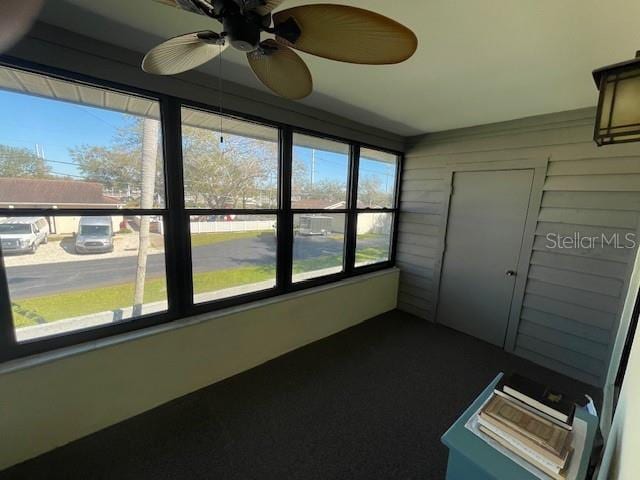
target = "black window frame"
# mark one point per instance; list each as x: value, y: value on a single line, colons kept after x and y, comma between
x: 628, y: 343
x: 176, y: 219
x: 346, y: 269
x: 394, y: 211
x: 204, y: 307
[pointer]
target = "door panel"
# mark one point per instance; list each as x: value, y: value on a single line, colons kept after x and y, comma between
x: 487, y: 215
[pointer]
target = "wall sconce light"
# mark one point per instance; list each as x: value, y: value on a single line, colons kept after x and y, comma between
x: 618, y: 114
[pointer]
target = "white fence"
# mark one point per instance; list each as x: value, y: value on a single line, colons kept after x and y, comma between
x: 237, y: 226
x: 379, y: 223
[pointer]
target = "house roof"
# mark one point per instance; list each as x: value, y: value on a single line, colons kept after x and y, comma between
x: 52, y: 192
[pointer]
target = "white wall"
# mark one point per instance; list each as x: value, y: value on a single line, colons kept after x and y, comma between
x: 52, y: 399
x: 68, y: 225
x: 378, y: 223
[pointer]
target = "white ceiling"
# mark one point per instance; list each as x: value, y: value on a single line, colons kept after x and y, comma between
x: 477, y: 61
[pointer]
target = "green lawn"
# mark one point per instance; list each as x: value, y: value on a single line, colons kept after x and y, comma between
x: 200, y: 239
x: 49, y: 308
x: 371, y: 255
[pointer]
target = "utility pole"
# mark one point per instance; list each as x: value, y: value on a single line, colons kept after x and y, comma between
x: 313, y: 165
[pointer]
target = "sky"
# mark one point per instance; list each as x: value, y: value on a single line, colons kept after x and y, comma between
x: 333, y: 166
x: 55, y: 126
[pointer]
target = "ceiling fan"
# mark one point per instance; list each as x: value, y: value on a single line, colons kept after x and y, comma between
x: 337, y: 32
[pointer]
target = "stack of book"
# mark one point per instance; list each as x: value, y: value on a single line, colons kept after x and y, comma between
x: 532, y: 422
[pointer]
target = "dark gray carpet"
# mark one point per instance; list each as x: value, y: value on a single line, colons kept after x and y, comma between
x: 368, y: 403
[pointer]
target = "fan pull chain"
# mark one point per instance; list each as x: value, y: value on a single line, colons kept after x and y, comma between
x: 220, y: 90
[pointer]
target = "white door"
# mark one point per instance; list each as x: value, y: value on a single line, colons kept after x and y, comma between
x: 487, y: 215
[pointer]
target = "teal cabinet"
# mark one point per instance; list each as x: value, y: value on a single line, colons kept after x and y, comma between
x: 470, y: 458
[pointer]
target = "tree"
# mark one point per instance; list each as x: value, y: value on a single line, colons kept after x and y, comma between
x: 371, y: 193
x: 332, y: 191
x: 113, y: 167
x: 233, y: 174
x: 228, y: 174
x: 117, y: 166
x: 150, y: 140
x: 307, y: 185
x: 21, y: 162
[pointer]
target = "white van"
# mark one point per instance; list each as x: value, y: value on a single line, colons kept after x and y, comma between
x: 23, y: 234
x: 95, y: 235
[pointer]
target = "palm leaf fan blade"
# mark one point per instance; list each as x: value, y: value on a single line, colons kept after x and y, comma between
x: 281, y: 70
x: 348, y: 34
x: 180, y: 54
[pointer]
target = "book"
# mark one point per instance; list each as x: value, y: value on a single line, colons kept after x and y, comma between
x: 552, y: 471
x: 520, y: 403
x: 551, y: 458
x: 551, y: 402
x: 523, y: 447
x: 527, y: 426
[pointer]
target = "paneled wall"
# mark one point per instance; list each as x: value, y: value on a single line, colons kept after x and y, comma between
x: 58, y: 397
x: 569, y: 314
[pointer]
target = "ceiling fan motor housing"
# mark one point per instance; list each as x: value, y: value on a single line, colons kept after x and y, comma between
x: 243, y: 31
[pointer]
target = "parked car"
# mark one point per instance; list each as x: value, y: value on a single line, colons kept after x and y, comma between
x: 95, y: 235
x: 23, y: 234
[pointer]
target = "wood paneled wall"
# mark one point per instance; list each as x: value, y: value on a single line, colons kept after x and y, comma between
x: 573, y: 297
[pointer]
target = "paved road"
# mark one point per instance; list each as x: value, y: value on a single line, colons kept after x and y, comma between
x: 44, y: 279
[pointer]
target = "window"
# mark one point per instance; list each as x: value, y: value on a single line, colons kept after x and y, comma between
x: 228, y: 163
x: 318, y: 245
x: 376, y: 179
x: 320, y: 173
x: 61, y: 282
x: 232, y: 255
x: 319, y: 184
x: 95, y: 238
x: 67, y: 145
x: 230, y: 173
x: 78, y: 165
x: 377, y: 172
x: 373, y: 243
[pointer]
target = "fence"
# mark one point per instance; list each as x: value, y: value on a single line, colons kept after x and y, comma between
x: 379, y: 223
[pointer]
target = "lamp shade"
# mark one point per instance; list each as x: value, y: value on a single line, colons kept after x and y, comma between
x: 618, y: 114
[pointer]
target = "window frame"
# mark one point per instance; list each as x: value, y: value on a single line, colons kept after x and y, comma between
x: 176, y: 219
x: 346, y: 270
x: 205, y: 307
x: 394, y: 210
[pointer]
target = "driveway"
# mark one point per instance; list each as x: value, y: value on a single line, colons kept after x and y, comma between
x: 37, y: 280
x: 61, y: 251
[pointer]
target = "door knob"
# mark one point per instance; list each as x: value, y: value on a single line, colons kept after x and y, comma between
x: 510, y: 273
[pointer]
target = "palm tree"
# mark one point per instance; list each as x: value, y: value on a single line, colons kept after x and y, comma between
x: 150, y: 139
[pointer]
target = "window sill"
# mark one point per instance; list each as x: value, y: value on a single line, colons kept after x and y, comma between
x: 59, y: 354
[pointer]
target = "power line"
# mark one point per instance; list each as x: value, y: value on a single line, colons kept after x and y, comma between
x: 341, y: 164
x: 85, y: 109
x: 61, y: 162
